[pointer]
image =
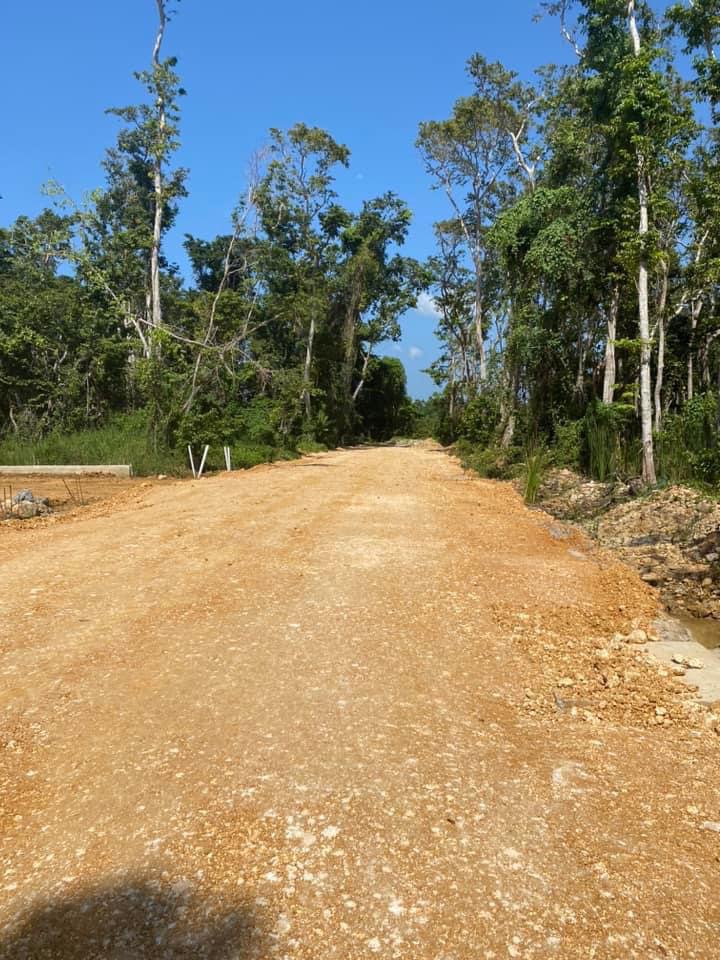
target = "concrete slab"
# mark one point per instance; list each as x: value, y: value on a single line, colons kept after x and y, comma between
x: 117, y: 470
x: 675, y: 639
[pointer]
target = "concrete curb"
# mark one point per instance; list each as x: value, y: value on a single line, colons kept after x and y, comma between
x: 117, y: 470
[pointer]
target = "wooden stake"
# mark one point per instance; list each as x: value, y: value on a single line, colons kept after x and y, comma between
x: 192, y: 462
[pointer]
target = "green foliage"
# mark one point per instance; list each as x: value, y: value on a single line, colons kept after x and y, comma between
x: 568, y: 445
x: 534, y: 469
x: 611, y: 441
x: 493, y: 463
x: 124, y: 439
x: 689, y: 445
x: 478, y: 421
x: 383, y: 406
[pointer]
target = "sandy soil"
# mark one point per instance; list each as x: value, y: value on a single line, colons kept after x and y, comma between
x: 361, y: 705
x: 71, y: 494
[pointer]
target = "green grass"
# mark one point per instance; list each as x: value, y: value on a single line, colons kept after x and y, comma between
x: 126, y: 440
x: 535, y: 467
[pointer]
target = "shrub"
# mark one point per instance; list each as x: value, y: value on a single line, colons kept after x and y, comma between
x: 536, y: 462
x: 569, y: 440
x: 478, y: 421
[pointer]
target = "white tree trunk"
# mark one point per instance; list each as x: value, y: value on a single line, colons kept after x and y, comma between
x: 662, y: 334
x: 156, y: 303
x: 646, y: 425
x: 308, y: 365
x: 695, y: 311
x: 479, y: 332
x: 610, y: 373
x: 363, y: 374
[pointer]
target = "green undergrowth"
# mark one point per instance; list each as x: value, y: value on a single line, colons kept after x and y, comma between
x: 126, y: 439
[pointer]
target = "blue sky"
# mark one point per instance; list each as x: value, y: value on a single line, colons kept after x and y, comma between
x: 368, y: 73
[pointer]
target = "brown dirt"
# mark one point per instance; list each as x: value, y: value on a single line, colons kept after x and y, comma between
x: 70, y: 494
x: 360, y: 705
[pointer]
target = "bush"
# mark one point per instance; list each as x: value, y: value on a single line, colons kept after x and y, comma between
x: 687, y: 447
x: 125, y: 439
x: 307, y: 445
x: 568, y: 447
x: 478, y: 421
x: 493, y: 463
x: 535, y: 466
x: 611, y: 444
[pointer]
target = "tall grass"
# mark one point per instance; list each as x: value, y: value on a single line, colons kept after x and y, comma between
x: 126, y: 439
x: 535, y: 467
x: 602, y: 443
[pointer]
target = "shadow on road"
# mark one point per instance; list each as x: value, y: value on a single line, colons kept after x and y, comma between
x: 139, y: 920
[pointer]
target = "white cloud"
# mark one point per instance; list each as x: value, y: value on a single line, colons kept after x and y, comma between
x: 427, y: 306
x: 415, y: 353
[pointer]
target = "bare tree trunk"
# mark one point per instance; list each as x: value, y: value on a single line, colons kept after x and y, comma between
x: 479, y: 333
x: 363, y: 374
x: 156, y: 303
x: 662, y: 333
x: 451, y: 405
x: 507, y: 411
x: 646, y: 425
x: 580, y: 374
x: 695, y: 309
x: 609, y: 376
x: 308, y: 365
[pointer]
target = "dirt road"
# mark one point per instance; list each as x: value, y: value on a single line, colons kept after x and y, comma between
x: 362, y: 705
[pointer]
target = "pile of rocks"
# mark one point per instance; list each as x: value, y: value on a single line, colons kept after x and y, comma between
x: 672, y: 536
x: 569, y: 496
x: 24, y: 506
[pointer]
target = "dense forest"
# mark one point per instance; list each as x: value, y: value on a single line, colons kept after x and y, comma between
x: 575, y: 276
x: 577, y: 272
x: 270, y: 348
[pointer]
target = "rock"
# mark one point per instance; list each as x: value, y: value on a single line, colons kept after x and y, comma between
x: 638, y: 636
x: 711, y: 825
x: 695, y: 664
x: 25, y: 510
x: 565, y: 682
x: 680, y: 659
x: 23, y: 496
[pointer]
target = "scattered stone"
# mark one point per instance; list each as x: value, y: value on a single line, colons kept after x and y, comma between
x: 672, y: 536
x: 711, y: 825
x: 565, y: 682
x: 25, y: 509
x: 638, y: 636
x: 695, y: 664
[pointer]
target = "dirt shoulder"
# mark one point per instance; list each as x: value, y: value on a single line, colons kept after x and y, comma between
x: 359, y: 705
x: 670, y: 536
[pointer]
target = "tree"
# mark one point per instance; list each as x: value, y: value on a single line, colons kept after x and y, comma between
x: 140, y: 203
x: 469, y: 157
x: 295, y: 199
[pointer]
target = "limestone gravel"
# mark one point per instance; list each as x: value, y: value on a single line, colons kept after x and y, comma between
x: 361, y: 705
